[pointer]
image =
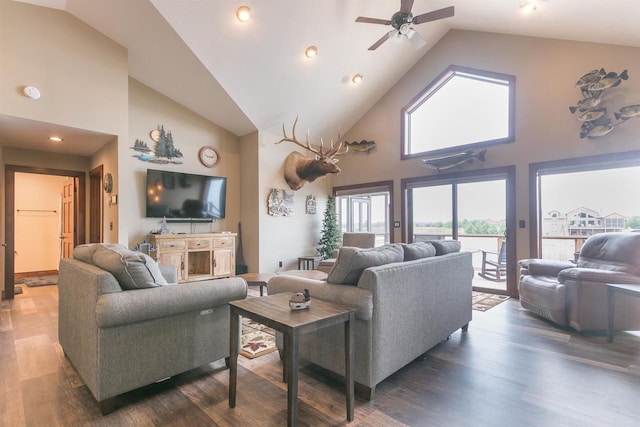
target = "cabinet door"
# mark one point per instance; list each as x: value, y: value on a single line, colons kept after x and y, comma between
x: 223, y: 262
x: 176, y: 259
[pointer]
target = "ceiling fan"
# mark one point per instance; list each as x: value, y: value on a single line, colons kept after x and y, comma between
x: 402, y: 20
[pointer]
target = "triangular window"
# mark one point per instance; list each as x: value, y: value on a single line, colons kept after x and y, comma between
x: 463, y: 108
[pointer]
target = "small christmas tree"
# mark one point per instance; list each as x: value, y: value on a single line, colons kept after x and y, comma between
x: 329, y: 234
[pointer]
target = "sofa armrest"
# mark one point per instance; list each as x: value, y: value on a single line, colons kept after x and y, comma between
x: 355, y: 297
x: 169, y: 272
x: 596, y: 275
x: 151, y: 303
x: 543, y: 267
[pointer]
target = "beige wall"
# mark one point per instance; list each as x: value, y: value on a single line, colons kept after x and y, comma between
x: 37, y: 221
x: 147, y: 110
x: 81, y: 74
x: 108, y: 158
x: 250, y: 200
x: 546, y: 72
x: 285, y: 238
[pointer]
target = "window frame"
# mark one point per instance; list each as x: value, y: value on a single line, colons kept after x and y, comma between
x: 433, y: 87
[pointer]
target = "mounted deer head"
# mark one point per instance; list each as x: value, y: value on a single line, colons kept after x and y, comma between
x: 299, y: 169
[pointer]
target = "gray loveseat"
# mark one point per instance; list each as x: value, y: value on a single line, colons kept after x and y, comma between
x: 404, y: 308
x: 126, y: 332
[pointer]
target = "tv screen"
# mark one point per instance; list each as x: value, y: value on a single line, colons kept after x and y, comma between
x: 185, y: 195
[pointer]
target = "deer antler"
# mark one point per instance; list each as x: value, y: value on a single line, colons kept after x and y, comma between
x: 333, y: 152
x: 336, y: 152
x: 294, y: 139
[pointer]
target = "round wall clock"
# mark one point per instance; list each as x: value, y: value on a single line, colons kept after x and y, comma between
x: 208, y: 156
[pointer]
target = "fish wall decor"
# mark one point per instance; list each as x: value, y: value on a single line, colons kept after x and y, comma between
x: 594, y: 87
x: 362, y: 146
x: 454, y: 160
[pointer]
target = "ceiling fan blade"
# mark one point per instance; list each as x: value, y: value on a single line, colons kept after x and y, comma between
x: 373, y: 20
x: 406, y: 5
x: 415, y: 38
x: 434, y: 16
x: 382, y: 40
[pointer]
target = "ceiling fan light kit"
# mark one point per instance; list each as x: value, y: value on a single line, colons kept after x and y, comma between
x: 402, y: 20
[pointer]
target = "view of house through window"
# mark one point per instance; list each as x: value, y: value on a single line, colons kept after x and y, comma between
x: 575, y: 205
x: 463, y: 108
x: 365, y: 212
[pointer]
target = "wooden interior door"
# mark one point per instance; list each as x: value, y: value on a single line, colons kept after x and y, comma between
x: 68, y: 209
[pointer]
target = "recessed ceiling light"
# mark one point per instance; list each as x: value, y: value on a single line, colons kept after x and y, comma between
x: 311, y: 51
x: 55, y: 139
x: 357, y: 78
x: 243, y: 13
x: 528, y: 6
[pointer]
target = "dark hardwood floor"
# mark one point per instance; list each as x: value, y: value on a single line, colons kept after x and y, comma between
x: 510, y: 369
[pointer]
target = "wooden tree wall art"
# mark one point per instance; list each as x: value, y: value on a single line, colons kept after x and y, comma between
x: 595, y: 87
x: 299, y: 169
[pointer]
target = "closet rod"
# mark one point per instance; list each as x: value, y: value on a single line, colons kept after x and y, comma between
x: 37, y: 210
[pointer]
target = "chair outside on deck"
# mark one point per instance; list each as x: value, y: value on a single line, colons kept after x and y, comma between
x: 494, y: 264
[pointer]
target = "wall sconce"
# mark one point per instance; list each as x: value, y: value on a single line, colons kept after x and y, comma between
x: 31, y: 92
x: 311, y: 51
x: 243, y: 13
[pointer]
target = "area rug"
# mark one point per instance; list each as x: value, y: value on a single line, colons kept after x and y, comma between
x: 257, y: 339
x: 483, y: 302
x: 40, y: 281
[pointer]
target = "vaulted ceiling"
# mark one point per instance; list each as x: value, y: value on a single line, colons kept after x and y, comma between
x: 254, y: 75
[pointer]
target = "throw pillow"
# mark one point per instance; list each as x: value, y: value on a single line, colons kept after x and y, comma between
x: 134, y: 270
x: 418, y: 250
x: 352, y: 261
x: 444, y: 247
x: 85, y: 252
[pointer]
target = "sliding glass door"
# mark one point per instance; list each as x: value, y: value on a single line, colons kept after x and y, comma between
x: 471, y: 208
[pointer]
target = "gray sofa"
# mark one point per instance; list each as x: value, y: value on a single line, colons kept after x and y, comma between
x: 131, y: 327
x: 405, y: 306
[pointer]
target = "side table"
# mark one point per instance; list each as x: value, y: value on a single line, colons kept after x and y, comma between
x: 612, y: 289
x: 257, y: 279
x: 273, y: 311
x: 308, y: 262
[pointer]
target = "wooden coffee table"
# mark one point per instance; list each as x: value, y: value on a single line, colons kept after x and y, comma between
x: 274, y: 311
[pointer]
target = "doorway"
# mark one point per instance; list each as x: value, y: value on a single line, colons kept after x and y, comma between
x: 77, y: 212
x: 476, y: 208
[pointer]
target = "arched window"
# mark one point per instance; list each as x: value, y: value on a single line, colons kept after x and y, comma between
x: 463, y: 108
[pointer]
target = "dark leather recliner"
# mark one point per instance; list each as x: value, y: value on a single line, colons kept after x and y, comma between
x: 575, y: 295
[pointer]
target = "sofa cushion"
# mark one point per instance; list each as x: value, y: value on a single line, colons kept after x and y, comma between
x: 418, y: 250
x: 444, y: 247
x: 134, y: 270
x: 352, y: 261
x: 85, y: 252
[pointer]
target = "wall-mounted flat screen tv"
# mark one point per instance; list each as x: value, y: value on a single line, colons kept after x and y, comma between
x: 185, y: 196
